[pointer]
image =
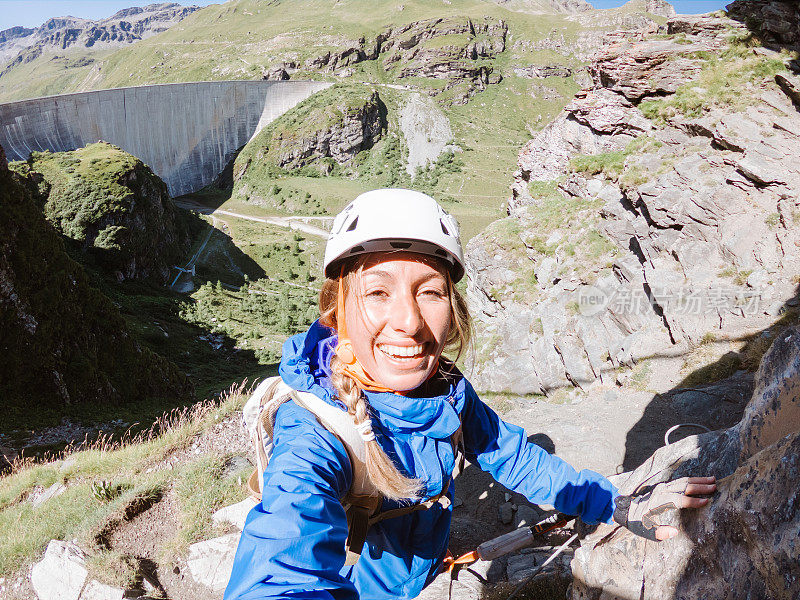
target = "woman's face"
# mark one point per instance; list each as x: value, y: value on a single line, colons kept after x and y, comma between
x: 399, y: 319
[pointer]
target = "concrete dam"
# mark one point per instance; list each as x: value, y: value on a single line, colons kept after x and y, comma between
x: 185, y: 132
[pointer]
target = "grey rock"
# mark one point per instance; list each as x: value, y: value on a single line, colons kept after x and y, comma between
x: 426, y: 130
x: 54, y: 490
x: 210, y: 562
x: 505, y: 513
x: 649, y: 68
x: 125, y: 27
x: 608, y: 113
x: 790, y: 84
x: 542, y: 72
x: 235, y: 514
x: 757, y: 464
x: 470, y: 585
x: 520, y: 566
x: 526, y: 516
x: 774, y: 22
x: 61, y: 574
x: 95, y: 590
x: 759, y: 169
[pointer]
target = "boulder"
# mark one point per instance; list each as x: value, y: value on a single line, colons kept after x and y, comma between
x: 210, y: 562
x: 743, y: 544
x: 649, y: 68
x: 61, y: 574
x: 235, y: 514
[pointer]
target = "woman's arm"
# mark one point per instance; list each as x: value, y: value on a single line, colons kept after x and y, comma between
x: 503, y: 450
x: 292, y: 545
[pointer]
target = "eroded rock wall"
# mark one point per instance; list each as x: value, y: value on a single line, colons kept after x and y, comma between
x: 679, y: 205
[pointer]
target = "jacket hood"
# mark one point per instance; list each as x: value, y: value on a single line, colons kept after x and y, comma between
x: 305, y: 366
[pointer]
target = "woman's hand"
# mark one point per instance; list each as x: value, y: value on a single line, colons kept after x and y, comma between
x: 642, y: 513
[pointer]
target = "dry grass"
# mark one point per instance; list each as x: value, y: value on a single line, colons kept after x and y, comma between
x: 129, y: 466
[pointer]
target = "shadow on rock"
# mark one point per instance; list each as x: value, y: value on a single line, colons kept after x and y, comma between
x: 743, y: 544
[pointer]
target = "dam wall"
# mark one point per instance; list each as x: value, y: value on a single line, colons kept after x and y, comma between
x: 185, y: 132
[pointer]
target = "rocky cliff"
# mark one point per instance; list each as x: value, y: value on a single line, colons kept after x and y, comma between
x: 112, y: 207
x: 63, y: 342
x: 744, y: 543
x: 654, y: 214
x: 19, y: 45
x: 457, y: 51
x: 317, y: 136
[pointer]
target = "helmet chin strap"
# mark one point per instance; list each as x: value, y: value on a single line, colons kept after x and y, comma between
x: 348, y: 363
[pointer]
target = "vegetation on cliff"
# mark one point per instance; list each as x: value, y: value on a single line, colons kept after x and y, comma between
x: 115, y: 211
x: 64, y: 343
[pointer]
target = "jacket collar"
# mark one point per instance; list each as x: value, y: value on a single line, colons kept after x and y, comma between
x: 305, y: 366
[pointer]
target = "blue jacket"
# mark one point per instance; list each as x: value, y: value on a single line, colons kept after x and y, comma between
x: 292, y: 545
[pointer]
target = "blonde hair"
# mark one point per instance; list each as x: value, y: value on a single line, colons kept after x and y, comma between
x: 382, y: 472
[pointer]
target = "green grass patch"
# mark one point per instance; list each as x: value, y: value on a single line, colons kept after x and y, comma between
x: 612, y: 164
x: 721, y: 83
x: 203, y: 487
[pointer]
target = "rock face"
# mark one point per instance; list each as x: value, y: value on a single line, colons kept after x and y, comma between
x: 112, y: 207
x: 426, y: 130
x: 775, y: 22
x: 680, y: 225
x: 20, y: 45
x: 744, y: 543
x: 322, y: 133
x: 68, y: 345
x: 358, y: 129
x: 457, y: 50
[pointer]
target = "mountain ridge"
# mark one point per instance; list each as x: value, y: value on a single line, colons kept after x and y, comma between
x: 22, y: 44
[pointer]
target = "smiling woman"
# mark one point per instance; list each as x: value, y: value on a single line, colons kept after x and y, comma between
x: 389, y: 310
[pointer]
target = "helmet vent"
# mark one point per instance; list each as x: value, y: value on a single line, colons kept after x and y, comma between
x: 357, y: 249
x: 400, y: 245
x: 440, y: 252
x: 353, y: 225
x: 444, y: 229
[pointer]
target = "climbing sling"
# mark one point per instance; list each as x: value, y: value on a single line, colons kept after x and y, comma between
x: 363, y: 501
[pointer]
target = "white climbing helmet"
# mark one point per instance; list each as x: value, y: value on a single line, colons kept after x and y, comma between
x: 391, y: 220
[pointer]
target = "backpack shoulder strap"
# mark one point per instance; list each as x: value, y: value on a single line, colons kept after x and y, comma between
x: 363, y: 499
x: 341, y: 424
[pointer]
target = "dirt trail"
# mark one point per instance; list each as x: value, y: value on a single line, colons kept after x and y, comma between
x: 294, y: 223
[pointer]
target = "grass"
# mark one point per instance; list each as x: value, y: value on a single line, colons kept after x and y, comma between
x: 78, y: 513
x: 723, y: 83
x: 612, y: 164
x: 738, y: 276
x: 202, y: 487
x: 640, y: 376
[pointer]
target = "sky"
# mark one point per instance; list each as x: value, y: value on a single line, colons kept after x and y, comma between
x: 32, y: 13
